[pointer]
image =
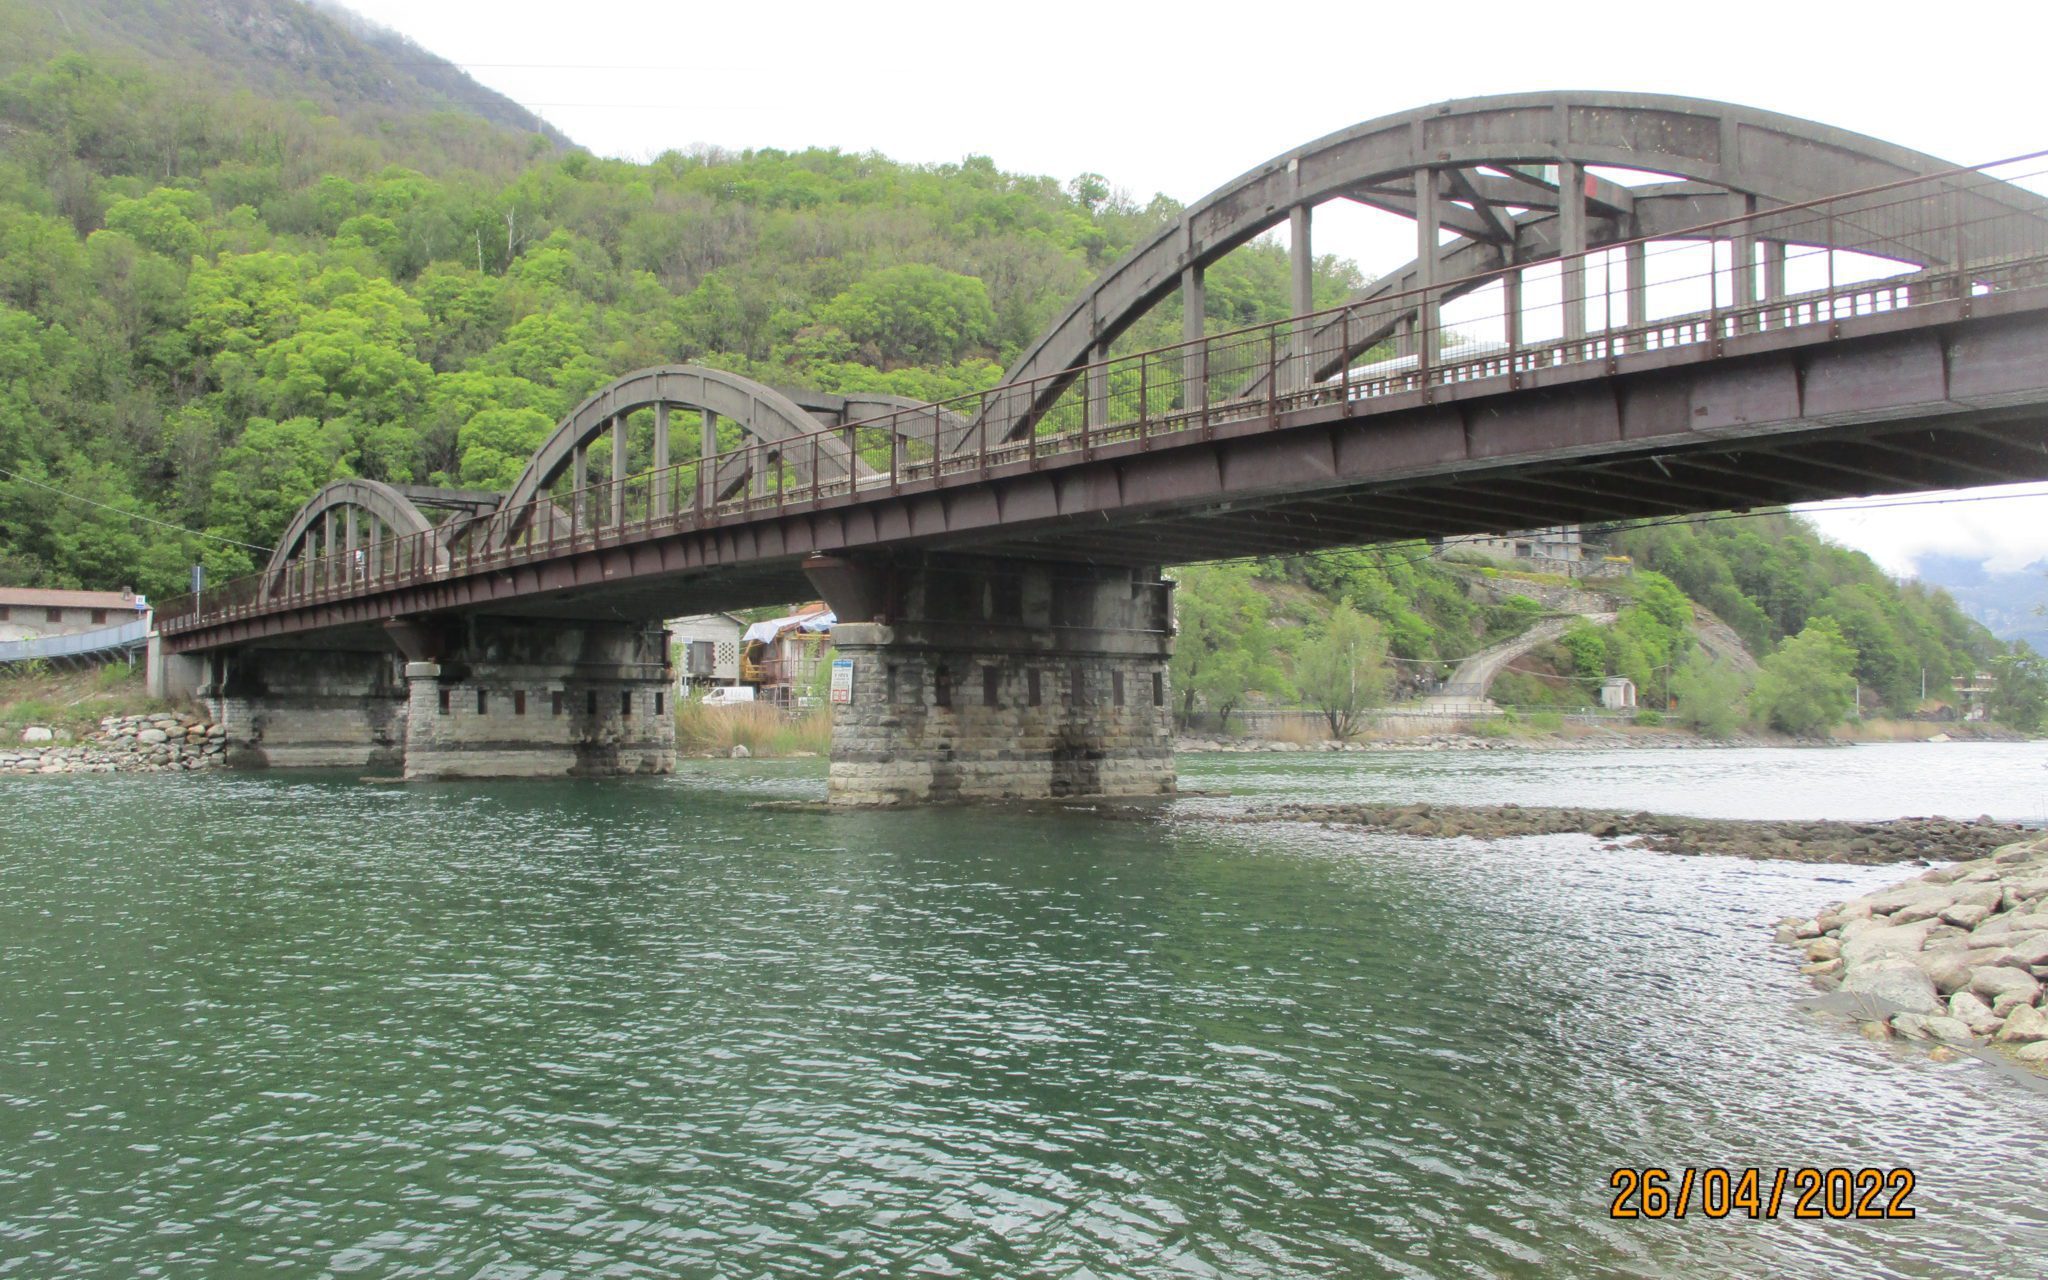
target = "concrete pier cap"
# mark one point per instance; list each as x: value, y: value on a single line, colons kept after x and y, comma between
x: 973, y: 678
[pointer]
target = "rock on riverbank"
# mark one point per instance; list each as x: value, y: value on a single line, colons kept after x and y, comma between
x: 159, y: 743
x: 1901, y: 840
x: 1956, y: 957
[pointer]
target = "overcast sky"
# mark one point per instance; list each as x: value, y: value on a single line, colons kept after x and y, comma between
x: 1179, y: 98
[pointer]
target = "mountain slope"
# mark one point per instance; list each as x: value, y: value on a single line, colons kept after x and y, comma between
x: 283, y: 49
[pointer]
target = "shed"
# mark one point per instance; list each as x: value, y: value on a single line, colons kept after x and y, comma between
x: 1618, y: 693
x: 707, y: 647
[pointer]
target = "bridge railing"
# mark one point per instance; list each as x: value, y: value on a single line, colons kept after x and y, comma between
x: 1919, y: 241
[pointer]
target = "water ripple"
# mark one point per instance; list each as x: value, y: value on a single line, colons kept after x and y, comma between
x: 298, y: 1027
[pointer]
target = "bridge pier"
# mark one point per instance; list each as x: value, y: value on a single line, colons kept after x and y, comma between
x: 979, y: 679
x: 307, y: 708
x: 528, y: 698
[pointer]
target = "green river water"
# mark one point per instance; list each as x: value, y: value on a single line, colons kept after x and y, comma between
x: 298, y: 1026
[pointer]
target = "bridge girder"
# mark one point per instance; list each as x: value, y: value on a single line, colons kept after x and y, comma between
x: 1719, y: 153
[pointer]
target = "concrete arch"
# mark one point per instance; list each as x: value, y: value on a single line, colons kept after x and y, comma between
x: 1486, y: 149
x: 385, y: 505
x: 761, y: 411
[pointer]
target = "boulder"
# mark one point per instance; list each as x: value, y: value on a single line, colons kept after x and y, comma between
x: 1948, y: 1030
x: 2005, y: 988
x: 1823, y: 949
x: 1948, y: 969
x: 152, y: 736
x: 1995, y: 929
x: 2024, y: 1025
x: 1973, y: 1012
x: 1897, y: 984
x: 1965, y: 915
x: 37, y: 733
x: 2021, y: 950
x: 1910, y: 1026
x: 1863, y: 945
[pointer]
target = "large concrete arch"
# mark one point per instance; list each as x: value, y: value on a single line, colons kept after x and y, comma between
x: 760, y: 411
x: 1657, y: 211
x: 349, y: 500
x: 1728, y: 159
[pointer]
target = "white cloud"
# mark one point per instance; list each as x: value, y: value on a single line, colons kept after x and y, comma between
x: 2005, y: 527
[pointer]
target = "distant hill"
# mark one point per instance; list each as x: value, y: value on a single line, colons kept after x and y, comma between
x: 2013, y: 605
x: 280, y: 49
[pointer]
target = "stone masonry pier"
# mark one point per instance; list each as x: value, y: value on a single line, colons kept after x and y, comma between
x: 1005, y: 679
x: 469, y: 698
x: 499, y: 698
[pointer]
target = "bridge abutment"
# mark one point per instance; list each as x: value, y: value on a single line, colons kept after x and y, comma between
x: 515, y: 698
x: 976, y: 679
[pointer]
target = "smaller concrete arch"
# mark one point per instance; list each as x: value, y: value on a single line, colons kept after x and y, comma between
x: 761, y: 411
x: 349, y: 501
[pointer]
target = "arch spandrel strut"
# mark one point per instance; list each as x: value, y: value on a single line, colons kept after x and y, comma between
x: 761, y: 411
x: 373, y: 498
x: 1720, y: 148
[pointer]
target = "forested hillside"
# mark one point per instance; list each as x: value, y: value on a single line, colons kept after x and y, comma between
x: 211, y: 304
x: 1828, y: 625
x: 317, y: 54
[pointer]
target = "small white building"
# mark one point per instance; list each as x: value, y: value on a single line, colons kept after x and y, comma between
x: 1618, y: 693
x: 707, y: 648
x: 36, y: 613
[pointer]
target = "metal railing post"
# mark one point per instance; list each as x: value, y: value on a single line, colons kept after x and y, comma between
x: 1272, y: 380
x: 1962, y: 250
x: 1144, y: 400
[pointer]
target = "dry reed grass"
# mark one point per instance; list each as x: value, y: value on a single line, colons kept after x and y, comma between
x: 761, y: 727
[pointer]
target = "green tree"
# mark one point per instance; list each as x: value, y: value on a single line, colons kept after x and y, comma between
x: 497, y: 443
x: 1710, y: 695
x: 1808, y: 686
x: 2019, y: 695
x: 1225, y: 648
x: 913, y: 314
x: 165, y: 221
x: 1342, y: 669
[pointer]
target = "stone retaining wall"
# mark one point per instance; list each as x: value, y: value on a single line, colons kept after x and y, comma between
x: 126, y: 744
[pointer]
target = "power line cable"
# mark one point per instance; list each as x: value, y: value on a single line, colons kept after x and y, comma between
x: 132, y: 515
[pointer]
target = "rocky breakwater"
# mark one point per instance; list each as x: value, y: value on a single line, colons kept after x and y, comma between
x: 160, y: 743
x: 1956, y: 957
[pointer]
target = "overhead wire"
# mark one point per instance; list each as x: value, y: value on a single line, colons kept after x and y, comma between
x: 132, y: 515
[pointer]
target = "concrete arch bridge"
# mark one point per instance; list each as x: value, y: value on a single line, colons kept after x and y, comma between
x: 1619, y: 306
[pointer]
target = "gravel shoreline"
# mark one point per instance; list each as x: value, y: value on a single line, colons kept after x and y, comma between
x: 1863, y: 843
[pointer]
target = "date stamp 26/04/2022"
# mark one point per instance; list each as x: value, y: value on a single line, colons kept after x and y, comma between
x: 1756, y: 1193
